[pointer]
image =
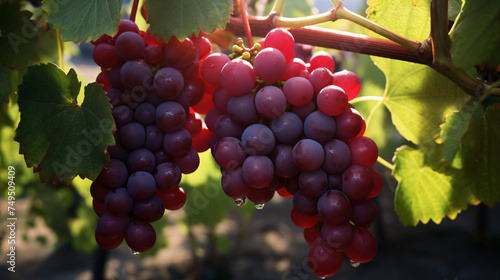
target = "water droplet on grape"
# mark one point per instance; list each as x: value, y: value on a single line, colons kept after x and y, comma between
x: 354, y: 264
x: 259, y: 206
x: 240, y: 201
x: 135, y: 252
x: 322, y: 278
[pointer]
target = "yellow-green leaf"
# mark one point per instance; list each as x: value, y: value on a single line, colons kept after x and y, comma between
x: 424, y: 194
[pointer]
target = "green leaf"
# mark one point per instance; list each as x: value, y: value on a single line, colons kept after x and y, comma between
x: 59, y: 137
x: 481, y: 150
x: 424, y: 194
x: 417, y: 96
x: 187, y: 17
x: 454, y: 8
x: 454, y: 130
x: 475, y: 38
x: 84, y: 20
x: 19, y: 35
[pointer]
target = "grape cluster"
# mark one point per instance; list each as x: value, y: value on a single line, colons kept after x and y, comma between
x: 283, y: 125
x: 154, y: 88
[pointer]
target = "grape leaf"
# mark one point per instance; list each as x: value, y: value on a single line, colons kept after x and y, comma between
x: 481, y: 151
x: 183, y: 18
x: 417, y: 96
x: 424, y: 194
x: 454, y: 130
x: 475, y: 38
x: 84, y: 20
x: 59, y: 137
x: 19, y: 35
x: 454, y: 8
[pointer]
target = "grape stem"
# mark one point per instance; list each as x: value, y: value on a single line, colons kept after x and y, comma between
x: 278, y: 7
x: 342, y: 13
x: 441, y: 57
x: 246, y: 24
x: 366, y: 98
x: 385, y: 163
x: 327, y: 38
x: 133, y: 13
x: 433, y: 52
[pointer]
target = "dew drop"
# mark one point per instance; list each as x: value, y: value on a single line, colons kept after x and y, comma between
x: 240, y: 201
x: 259, y: 206
x: 322, y: 278
x: 354, y: 264
x: 135, y: 252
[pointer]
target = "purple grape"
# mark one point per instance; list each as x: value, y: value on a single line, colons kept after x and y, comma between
x: 168, y: 176
x: 338, y: 237
x: 123, y: 115
x: 149, y: 210
x: 225, y: 126
x: 334, y: 207
x: 242, y: 109
x: 233, y: 183
x: 114, y: 175
x: 154, y: 138
x: 319, y: 127
x: 258, y: 171
x: 308, y: 154
x: 141, y: 160
x: 168, y: 83
x: 170, y: 116
x: 287, y: 128
x: 270, y: 102
x: 313, y: 183
x: 140, y: 236
x: 119, y: 202
x: 357, y: 182
x: 305, y: 205
x: 177, y: 143
x: 282, y: 159
x: 111, y: 226
x: 337, y: 157
x: 189, y: 162
x: 133, y: 136
x: 141, y: 185
x: 229, y: 153
x: 145, y: 114
x: 258, y: 139
x: 136, y: 75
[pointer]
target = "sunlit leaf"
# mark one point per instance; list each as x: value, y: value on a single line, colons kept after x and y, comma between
x: 475, y: 38
x: 84, y: 20
x: 59, y: 137
x: 424, y: 194
x: 183, y: 18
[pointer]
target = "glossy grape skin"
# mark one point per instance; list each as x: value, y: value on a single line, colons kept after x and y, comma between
x: 270, y: 64
x: 238, y: 77
x: 140, y: 236
x: 323, y: 260
x: 334, y: 207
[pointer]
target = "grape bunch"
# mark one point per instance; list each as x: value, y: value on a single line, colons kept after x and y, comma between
x: 154, y: 88
x: 283, y: 125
